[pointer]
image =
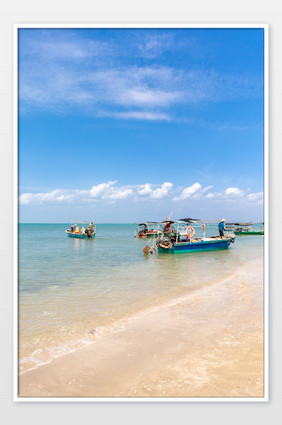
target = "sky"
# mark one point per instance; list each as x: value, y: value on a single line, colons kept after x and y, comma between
x: 130, y: 125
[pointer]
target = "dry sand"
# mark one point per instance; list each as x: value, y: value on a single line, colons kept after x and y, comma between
x: 209, y: 344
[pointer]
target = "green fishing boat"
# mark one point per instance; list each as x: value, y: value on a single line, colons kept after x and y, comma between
x: 246, y: 229
x: 248, y: 232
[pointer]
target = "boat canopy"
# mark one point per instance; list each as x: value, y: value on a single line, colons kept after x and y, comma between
x: 184, y: 223
x: 189, y: 220
x: 169, y: 221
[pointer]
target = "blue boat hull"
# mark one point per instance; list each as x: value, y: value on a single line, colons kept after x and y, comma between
x: 187, y: 247
x: 79, y: 236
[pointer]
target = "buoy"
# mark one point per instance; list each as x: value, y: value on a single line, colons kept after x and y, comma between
x: 190, y: 232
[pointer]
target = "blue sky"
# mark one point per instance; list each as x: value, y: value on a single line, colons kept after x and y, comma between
x: 126, y: 125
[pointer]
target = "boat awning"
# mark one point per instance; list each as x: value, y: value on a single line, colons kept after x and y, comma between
x: 169, y: 221
x: 189, y: 220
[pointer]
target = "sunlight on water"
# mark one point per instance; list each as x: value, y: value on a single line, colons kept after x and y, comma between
x: 73, y: 291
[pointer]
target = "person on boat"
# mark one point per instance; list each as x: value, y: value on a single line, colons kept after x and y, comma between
x: 221, y: 227
x: 77, y: 230
x: 167, y: 227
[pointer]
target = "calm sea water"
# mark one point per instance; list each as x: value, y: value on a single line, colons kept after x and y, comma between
x: 73, y: 291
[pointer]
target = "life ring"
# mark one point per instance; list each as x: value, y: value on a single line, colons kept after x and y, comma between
x: 190, y: 232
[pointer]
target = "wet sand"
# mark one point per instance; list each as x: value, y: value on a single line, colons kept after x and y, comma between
x: 209, y: 344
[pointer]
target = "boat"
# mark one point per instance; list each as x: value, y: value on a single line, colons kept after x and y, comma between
x: 82, y: 232
x: 244, y: 229
x: 182, y: 239
x: 243, y: 232
x: 148, y: 230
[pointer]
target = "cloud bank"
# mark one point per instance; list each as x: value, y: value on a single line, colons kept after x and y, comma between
x: 111, y: 192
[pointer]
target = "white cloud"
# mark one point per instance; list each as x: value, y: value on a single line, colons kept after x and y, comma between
x: 205, y: 189
x: 146, y: 189
x: 162, y: 191
x: 234, y: 191
x: 188, y: 192
x: 150, y: 116
x: 102, y: 191
x: 97, y: 191
x: 110, y: 191
x: 55, y: 84
x: 56, y: 196
x: 158, y: 193
x: 119, y: 194
x: 56, y: 73
x: 57, y: 45
x: 152, y: 46
x: 143, y: 96
x: 255, y: 196
x: 25, y: 198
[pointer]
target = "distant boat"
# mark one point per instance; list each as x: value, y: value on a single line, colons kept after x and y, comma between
x: 82, y: 232
x: 181, y: 240
x: 153, y: 228
x: 148, y: 230
x: 245, y: 229
x: 248, y: 232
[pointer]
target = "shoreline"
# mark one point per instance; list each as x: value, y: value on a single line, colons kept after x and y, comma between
x: 121, y: 324
x: 209, y: 344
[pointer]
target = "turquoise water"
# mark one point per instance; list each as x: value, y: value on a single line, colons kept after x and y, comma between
x: 74, y: 291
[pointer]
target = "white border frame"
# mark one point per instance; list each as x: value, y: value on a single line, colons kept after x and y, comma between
x: 265, y: 398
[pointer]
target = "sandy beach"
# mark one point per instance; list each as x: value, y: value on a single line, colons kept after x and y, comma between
x: 208, y: 344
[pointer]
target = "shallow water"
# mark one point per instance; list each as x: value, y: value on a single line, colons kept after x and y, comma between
x: 73, y: 291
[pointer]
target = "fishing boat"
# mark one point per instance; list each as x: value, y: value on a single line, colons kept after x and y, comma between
x: 182, y: 239
x: 244, y: 229
x: 82, y: 232
x: 148, y: 230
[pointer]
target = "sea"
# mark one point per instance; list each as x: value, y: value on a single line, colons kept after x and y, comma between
x: 72, y: 292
